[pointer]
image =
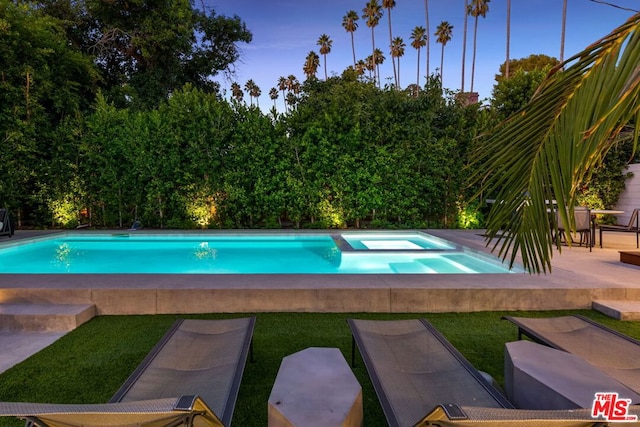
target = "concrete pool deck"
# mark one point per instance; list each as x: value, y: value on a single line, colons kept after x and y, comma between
x: 580, y: 279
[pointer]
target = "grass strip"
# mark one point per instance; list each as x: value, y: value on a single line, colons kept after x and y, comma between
x: 90, y: 363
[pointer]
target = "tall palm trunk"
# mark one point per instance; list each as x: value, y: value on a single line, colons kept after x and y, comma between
x: 325, y: 66
x: 506, y: 67
x: 564, y: 27
x: 418, y: 76
x: 395, y: 74
x: 353, y: 50
x: 464, y: 42
x: 442, y: 66
x: 426, y: 8
x: 376, y: 75
x: 473, y: 62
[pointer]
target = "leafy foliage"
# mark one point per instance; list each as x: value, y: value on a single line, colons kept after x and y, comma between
x: 349, y: 154
x: 158, y: 144
x: 510, y: 95
x: 144, y: 50
x: 43, y: 84
x: 550, y: 148
x: 530, y: 63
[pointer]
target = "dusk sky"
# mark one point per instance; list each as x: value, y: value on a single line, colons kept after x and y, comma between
x: 284, y: 31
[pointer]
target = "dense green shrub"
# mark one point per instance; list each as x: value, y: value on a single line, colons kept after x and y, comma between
x: 347, y: 155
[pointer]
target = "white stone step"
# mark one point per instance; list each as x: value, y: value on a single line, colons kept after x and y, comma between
x: 618, y: 309
x: 44, y: 317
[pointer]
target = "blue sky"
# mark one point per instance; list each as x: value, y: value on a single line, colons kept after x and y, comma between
x: 284, y: 31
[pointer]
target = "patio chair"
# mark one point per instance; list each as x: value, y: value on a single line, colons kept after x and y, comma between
x: 422, y: 380
x: 188, y: 411
x: 414, y: 369
x: 202, y: 359
x: 631, y: 227
x: 6, y: 229
x: 613, y: 353
x: 469, y: 416
x: 582, y: 218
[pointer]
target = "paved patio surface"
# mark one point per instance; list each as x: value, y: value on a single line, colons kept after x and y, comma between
x: 578, y: 278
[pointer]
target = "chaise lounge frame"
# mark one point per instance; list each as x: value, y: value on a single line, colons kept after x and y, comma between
x: 410, y: 364
x: 195, y: 369
x: 589, y: 340
x: 423, y: 380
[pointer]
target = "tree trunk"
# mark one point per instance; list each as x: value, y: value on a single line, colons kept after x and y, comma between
x: 426, y: 8
x: 418, y: 75
x: 506, y: 68
x: 473, y: 62
x: 464, y: 42
x: 395, y: 73
x: 564, y: 27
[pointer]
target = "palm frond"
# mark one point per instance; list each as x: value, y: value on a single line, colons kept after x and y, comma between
x: 548, y: 148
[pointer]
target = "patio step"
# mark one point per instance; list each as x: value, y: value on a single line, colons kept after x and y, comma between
x: 27, y: 317
x: 618, y: 309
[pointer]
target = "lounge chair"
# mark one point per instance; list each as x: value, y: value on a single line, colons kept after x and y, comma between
x: 203, y: 358
x: 631, y: 227
x: 468, y: 416
x: 188, y: 411
x: 613, y: 353
x: 414, y: 369
x: 422, y: 380
x: 6, y: 229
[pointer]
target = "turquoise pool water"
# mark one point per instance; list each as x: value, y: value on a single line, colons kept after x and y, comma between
x: 348, y: 253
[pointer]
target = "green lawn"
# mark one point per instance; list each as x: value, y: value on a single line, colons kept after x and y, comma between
x: 89, y: 364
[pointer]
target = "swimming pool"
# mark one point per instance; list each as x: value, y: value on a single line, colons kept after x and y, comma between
x: 244, y: 253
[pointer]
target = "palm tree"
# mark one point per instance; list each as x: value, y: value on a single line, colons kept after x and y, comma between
x: 397, y: 52
x: 390, y: 4
x: 426, y: 9
x: 464, y: 42
x: 548, y: 150
x: 350, y: 24
x: 506, y: 71
x: 273, y: 94
x: 372, y: 13
x: 419, y: 39
x: 564, y: 27
x: 236, y: 92
x: 291, y: 99
x: 370, y: 65
x: 293, y: 85
x: 443, y: 34
x: 311, y: 64
x: 360, y: 67
x: 256, y: 92
x: 249, y: 87
x: 476, y: 9
x: 325, y: 42
x: 282, y: 85
x: 378, y: 60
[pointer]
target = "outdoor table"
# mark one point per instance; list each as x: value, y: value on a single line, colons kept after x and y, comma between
x: 315, y: 387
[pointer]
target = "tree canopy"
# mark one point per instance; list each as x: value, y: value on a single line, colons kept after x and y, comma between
x: 145, y: 50
x: 532, y: 62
